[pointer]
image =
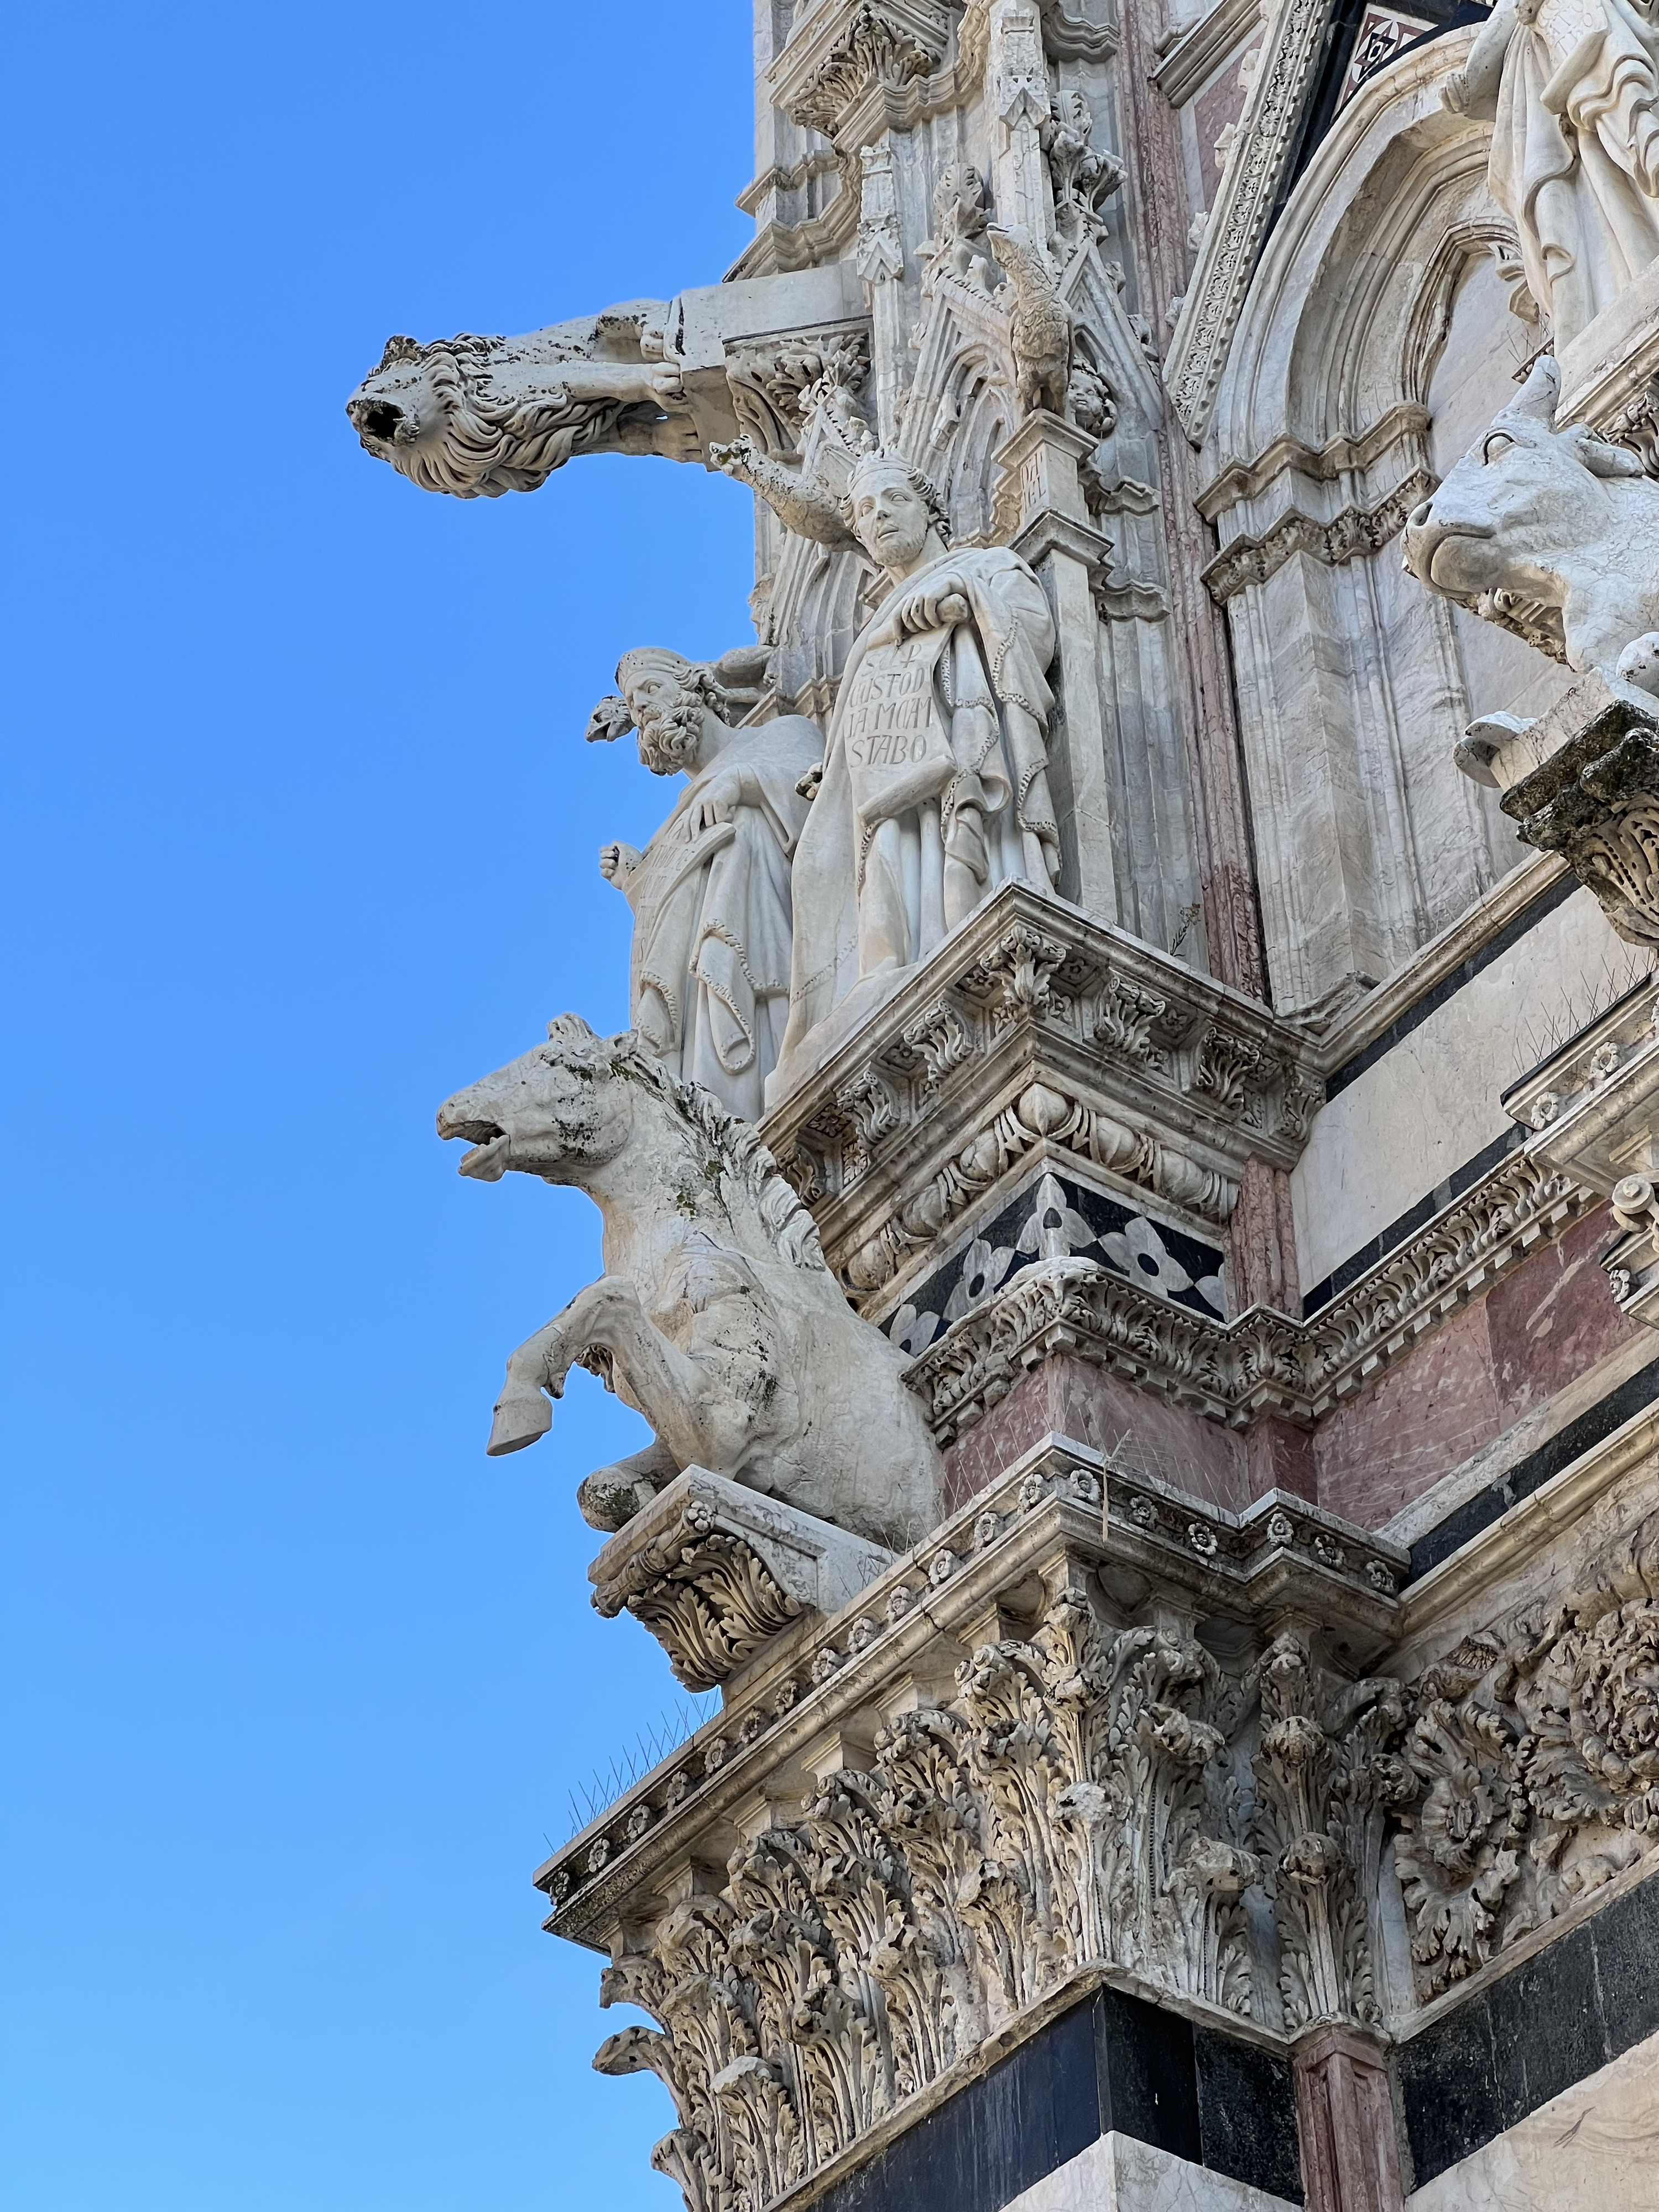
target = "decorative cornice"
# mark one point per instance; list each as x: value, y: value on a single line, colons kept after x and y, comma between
x: 841, y: 55
x: 1355, y: 532
x: 1287, y: 456
x: 996, y: 1791
x: 1264, y: 1362
x: 1239, y: 221
x: 1035, y: 1025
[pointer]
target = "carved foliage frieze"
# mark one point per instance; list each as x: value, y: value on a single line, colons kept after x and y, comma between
x: 1068, y: 1804
x: 1534, y: 1750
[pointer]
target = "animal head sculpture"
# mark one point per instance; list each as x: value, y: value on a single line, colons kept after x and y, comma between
x: 430, y: 411
x: 1554, y: 534
x: 478, y: 417
x: 575, y: 1103
x: 551, y: 1113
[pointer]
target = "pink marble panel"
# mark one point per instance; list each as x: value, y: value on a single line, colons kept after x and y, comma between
x: 1420, y: 1418
x: 1066, y: 1395
x: 1554, y: 1317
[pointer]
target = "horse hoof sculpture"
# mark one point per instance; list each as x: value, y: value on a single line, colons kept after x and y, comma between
x: 716, y: 1316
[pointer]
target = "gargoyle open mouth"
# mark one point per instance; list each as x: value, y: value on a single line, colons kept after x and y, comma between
x: 487, y: 1159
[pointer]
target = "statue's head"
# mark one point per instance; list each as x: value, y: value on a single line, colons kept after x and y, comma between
x: 893, y: 509
x: 556, y: 1110
x: 670, y: 701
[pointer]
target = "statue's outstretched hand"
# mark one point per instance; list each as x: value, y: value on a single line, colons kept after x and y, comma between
x: 617, y: 861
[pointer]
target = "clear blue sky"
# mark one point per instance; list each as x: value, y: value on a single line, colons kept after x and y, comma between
x: 302, y: 836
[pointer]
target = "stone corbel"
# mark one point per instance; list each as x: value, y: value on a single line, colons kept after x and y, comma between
x: 844, y: 65
x: 715, y: 1572
x: 1596, y: 799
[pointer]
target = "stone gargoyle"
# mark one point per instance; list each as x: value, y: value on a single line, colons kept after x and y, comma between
x: 716, y: 1316
x: 1554, y: 534
x: 478, y: 417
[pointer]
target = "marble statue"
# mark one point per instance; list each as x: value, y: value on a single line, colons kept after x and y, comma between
x: 478, y: 417
x: 716, y: 1316
x: 1554, y: 533
x: 1571, y: 89
x: 935, y: 782
x: 709, y: 976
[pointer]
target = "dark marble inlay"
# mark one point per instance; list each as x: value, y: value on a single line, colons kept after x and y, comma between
x: 1112, y: 2063
x: 1530, y: 1473
x: 1557, y: 2018
x: 1053, y: 1220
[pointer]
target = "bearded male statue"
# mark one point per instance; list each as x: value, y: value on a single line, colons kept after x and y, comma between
x: 710, y: 977
x: 936, y: 778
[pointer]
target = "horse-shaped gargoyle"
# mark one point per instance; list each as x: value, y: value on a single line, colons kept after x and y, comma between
x: 716, y: 1316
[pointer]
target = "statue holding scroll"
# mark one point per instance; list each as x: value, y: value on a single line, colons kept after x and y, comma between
x: 936, y: 778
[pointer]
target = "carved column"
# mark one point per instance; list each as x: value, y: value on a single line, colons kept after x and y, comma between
x: 1232, y: 926
x: 1018, y: 79
x: 1344, y: 2114
x: 879, y: 260
x: 1039, y: 497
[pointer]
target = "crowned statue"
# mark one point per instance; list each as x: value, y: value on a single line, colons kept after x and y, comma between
x: 1572, y: 89
x: 709, y: 976
x: 935, y: 784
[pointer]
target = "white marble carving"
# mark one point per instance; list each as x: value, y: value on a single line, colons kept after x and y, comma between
x: 1535, y: 1744
x: 1572, y: 89
x: 935, y: 784
x: 709, y: 976
x: 716, y: 1316
x: 478, y: 417
x: 1554, y: 534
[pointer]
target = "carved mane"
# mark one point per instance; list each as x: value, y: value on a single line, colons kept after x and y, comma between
x: 734, y: 1145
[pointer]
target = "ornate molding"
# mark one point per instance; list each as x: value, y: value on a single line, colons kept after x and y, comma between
x: 1238, y: 220
x: 1595, y: 800
x: 1533, y: 1750
x: 1355, y: 532
x: 1060, y: 1788
x: 1036, y: 1026
x: 842, y: 60
x: 715, y: 1572
x: 1263, y: 1363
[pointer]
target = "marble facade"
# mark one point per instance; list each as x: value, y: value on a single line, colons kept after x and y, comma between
x: 1132, y: 1196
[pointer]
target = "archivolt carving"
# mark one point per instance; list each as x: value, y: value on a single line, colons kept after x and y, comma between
x: 1535, y: 1752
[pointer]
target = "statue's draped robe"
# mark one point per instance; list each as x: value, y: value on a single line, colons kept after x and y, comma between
x: 1575, y: 152
x: 937, y: 754
x: 709, y: 982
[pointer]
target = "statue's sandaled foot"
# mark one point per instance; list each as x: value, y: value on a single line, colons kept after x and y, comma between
x: 523, y: 1416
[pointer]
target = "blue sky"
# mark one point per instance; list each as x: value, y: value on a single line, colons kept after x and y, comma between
x: 302, y: 836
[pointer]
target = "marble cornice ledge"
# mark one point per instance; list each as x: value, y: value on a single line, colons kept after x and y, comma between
x: 1037, y: 1030
x: 1356, y: 530
x: 1328, y: 464
x: 1061, y: 1509
x: 1263, y: 1363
